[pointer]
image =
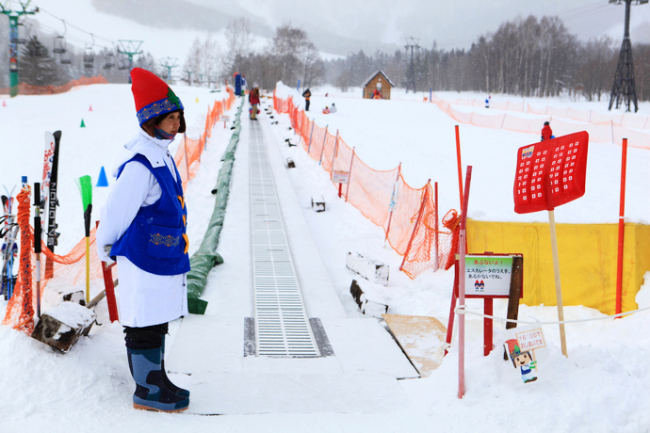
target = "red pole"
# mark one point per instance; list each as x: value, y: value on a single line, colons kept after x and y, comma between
x: 461, y: 287
x: 621, y: 232
x: 460, y: 165
x: 488, y: 310
x: 452, y: 313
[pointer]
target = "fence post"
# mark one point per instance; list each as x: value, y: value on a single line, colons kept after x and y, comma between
x: 504, y: 120
x: 436, y: 228
x: 334, y: 152
x: 417, y: 223
x: 612, y: 124
x: 323, y: 149
x: 393, y: 200
x: 347, y: 189
x: 313, y: 122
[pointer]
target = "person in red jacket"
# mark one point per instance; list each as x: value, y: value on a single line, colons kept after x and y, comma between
x: 547, y: 133
x: 254, y: 99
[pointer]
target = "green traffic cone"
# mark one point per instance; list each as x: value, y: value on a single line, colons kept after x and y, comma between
x: 83, y: 125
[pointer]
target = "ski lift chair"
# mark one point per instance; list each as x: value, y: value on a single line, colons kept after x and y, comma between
x: 58, y: 45
x: 89, y: 55
x: 109, y: 60
x: 89, y: 58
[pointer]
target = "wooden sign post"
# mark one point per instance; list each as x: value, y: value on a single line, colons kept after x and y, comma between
x: 490, y: 276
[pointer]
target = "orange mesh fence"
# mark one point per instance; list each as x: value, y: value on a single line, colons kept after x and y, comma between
x: 28, y: 89
x: 70, y: 270
x: 602, y: 128
x: 408, y: 215
x: 188, y: 154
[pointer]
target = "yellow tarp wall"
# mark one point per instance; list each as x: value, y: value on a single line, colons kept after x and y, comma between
x: 588, y: 254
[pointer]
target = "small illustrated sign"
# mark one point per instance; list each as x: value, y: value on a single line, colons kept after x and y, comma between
x: 488, y: 275
x: 522, y: 352
x: 340, y: 176
x: 551, y: 173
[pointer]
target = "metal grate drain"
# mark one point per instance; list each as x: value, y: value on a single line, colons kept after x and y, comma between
x: 282, y: 327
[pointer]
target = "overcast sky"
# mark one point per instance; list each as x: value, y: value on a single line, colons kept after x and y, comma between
x: 336, y: 27
x: 452, y: 24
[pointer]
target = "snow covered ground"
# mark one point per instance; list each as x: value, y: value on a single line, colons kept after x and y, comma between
x: 601, y: 387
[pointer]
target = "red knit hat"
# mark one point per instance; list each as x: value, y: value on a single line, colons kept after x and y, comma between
x: 152, y: 95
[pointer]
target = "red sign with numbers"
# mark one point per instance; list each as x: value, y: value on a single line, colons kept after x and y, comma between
x: 551, y: 173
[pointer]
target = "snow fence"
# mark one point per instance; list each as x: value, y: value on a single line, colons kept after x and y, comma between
x: 206, y: 257
x: 408, y: 216
x: 588, y: 257
x: 602, y: 128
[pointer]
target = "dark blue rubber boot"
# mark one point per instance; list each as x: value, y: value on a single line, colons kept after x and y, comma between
x: 151, y: 392
x: 168, y: 383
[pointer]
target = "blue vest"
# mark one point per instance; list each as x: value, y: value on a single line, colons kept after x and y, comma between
x: 156, y: 241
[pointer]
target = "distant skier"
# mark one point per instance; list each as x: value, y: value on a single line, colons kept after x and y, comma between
x: 376, y: 94
x: 487, y: 101
x: 333, y: 108
x: 254, y: 99
x: 547, y: 133
x: 306, y: 94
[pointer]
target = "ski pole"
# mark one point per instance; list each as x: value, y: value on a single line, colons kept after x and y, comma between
x: 37, y: 244
x: 86, y: 189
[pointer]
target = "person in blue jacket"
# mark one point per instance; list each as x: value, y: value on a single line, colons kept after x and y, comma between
x: 143, y: 228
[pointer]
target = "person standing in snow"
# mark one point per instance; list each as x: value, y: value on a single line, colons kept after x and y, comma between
x: 306, y: 94
x: 143, y: 228
x: 254, y: 99
x: 333, y: 108
x: 547, y: 133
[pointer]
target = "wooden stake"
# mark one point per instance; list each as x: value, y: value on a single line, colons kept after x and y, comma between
x: 558, y: 286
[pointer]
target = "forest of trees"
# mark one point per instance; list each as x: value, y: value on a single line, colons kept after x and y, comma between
x: 526, y: 56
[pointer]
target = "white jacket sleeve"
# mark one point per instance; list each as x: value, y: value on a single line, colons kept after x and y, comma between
x: 136, y: 187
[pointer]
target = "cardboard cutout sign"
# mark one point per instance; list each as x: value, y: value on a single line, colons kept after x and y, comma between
x: 551, y: 173
x: 523, y: 351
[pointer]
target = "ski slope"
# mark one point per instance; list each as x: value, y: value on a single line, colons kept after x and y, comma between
x: 602, y: 386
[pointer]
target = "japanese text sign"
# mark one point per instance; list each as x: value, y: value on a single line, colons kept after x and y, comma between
x: 530, y: 339
x: 488, y: 275
x: 551, y: 173
x: 340, y: 176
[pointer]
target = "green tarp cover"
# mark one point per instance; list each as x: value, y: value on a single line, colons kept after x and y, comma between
x: 206, y: 257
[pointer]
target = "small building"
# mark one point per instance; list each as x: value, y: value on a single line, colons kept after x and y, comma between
x: 380, y: 82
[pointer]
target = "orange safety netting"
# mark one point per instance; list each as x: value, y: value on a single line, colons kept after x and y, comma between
x: 28, y: 89
x: 601, y: 128
x: 70, y: 270
x: 409, y: 216
x: 188, y: 154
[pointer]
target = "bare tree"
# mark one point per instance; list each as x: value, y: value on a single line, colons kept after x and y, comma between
x: 239, y: 39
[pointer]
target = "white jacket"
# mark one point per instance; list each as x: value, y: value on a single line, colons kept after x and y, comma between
x: 145, y: 299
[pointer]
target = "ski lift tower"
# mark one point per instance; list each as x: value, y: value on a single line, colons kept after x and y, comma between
x: 624, y: 88
x: 411, y: 43
x: 13, y: 42
x: 130, y: 48
x: 169, y: 63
